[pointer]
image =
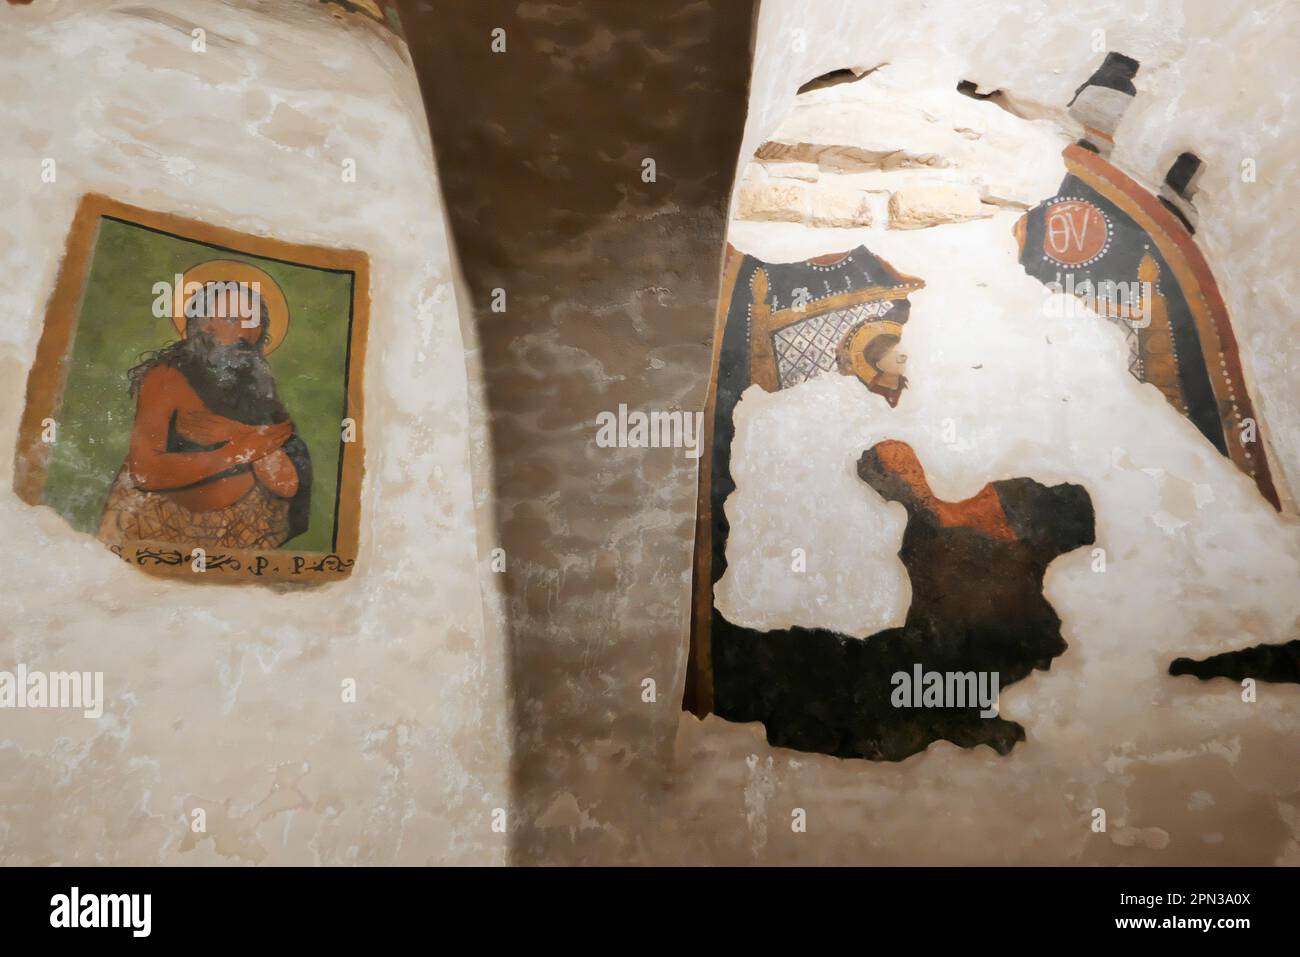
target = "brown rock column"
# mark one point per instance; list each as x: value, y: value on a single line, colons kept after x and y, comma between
x: 610, y: 285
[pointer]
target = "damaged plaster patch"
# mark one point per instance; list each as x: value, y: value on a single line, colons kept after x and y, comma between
x: 890, y: 148
x: 295, y: 129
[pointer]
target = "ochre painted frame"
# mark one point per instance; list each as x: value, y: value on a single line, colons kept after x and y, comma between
x: 49, y: 373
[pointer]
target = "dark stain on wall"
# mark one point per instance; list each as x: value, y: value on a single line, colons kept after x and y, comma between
x: 977, y: 610
x: 1275, y: 663
x: 610, y: 283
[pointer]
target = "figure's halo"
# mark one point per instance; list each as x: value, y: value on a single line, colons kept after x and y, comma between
x: 228, y: 270
x: 858, y: 341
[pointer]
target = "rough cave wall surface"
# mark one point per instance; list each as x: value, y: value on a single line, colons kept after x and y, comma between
x: 230, y: 700
x: 609, y: 284
x: 1005, y: 380
x: 221, y: 698
x: 606, y: 298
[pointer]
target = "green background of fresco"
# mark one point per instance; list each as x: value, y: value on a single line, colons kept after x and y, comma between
x: 116, y: 324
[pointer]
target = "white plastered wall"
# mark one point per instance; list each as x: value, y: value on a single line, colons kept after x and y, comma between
x: 229, y: 699
x: 1197, y: 562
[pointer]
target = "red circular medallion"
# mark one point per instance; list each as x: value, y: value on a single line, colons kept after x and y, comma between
x: 1075, y: 232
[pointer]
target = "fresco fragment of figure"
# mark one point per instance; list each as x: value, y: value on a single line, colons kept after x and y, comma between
x: 780, y: 325
x: 214, y: 459
x: 874, y: 354
x: 1103, y: 230
x: 976, y: 568
x: 183, y: 443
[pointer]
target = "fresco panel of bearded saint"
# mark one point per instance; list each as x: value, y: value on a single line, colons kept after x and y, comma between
x: 214, y: 460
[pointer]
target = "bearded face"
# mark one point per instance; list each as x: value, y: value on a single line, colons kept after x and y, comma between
x: 233, y: 380
x: 224, y: 363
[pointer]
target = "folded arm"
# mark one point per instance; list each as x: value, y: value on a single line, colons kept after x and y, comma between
x: 165, y: 391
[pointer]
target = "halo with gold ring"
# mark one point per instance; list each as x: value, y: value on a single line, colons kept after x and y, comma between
x: 858, y: 340
x: 228, y: 270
